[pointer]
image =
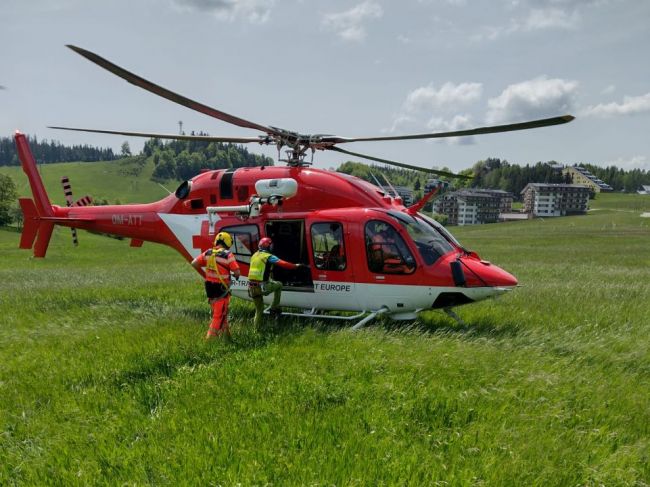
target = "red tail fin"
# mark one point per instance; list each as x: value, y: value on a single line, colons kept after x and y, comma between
x: 43, y: 204
x: 30, y: 223
x: 34, y: 209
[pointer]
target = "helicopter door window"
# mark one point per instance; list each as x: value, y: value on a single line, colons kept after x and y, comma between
x: 386, y: 251
x: 244, y: 241
x: 327, y: 245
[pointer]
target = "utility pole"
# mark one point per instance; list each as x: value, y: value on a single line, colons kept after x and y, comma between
x: 180, y: 127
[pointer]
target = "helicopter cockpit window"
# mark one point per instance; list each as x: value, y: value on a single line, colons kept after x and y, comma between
x: 386, y: 251
x: 244, y: 241
x: 431, y: 243
x: 448, y: 236
x: 327, y: 245
x: 183, y: 190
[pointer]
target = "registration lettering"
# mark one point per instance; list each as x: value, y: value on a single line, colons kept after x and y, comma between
x: 131, y: 220
x: 332, y: 287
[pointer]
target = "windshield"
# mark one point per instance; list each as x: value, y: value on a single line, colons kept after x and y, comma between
x: 430, y: 242
x: 441, y: 229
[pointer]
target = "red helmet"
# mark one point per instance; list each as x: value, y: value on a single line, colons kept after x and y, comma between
x: 265, y: 244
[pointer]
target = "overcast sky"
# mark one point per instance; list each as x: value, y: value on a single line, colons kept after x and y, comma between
x: 350, y: 68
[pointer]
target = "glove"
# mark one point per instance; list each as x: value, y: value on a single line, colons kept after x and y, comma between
x: 302, y: 266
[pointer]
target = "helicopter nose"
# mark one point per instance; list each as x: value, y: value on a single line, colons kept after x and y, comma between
x: 486, y: 273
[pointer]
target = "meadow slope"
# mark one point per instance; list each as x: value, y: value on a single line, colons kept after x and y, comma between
x: 123, y: 180
x: 105, y: 377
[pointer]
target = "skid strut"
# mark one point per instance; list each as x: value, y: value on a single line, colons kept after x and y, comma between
x: 453, y: 315
x: 313, y: 313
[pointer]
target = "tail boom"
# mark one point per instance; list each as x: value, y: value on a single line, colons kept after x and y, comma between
x: 140, y: 222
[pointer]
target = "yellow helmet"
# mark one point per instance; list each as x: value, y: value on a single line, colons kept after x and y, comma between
x: 224, y: 238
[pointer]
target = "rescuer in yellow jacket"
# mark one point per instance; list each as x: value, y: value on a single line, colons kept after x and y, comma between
x: 219, y: 263
x: 259, y: 282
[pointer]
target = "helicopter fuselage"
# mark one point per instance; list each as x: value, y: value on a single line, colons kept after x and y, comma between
x: 365, y: 250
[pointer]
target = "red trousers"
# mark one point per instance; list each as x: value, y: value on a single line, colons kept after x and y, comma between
x: 219, y: 316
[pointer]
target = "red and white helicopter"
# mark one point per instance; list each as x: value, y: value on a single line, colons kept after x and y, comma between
x: 367, y: 252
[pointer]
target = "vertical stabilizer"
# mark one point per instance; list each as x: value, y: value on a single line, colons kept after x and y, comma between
x: 41, y: 199
x: 34, y: 228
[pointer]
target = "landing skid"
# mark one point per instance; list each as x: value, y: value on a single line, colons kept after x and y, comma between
x: 313, y: 313
x: 453, y: 315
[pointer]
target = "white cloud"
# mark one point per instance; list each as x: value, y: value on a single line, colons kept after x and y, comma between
x: 542, y: 15
x: 627, y: 163
x: 253, y: 11
x: 537, y: 98
x: 425, y: 100
x: 629, y: 106
x: 459, y: 122
x: 399, y: 122
x: 428, y: 97
x: 349, y: 25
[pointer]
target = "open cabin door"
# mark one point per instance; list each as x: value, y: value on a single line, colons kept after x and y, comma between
x: 290, y: 244
x: 333, y: 264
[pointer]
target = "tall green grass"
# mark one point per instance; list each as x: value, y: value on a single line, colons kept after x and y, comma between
x: 122, y: 180
x: 105, y: 377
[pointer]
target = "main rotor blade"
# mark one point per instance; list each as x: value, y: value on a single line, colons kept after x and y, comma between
x: 545, y: 122
x: 205, y: 138
x: 165, y: 93
x: 401, y: 164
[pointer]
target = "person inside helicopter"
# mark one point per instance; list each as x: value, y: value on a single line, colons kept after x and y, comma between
x: 327, y: 243
x: 387, y: 251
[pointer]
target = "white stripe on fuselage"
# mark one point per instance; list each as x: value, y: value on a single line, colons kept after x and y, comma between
x: 347, y: 296
x: 184, y: 227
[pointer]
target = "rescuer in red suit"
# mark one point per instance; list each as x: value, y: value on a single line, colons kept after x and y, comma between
x: 219, y: 263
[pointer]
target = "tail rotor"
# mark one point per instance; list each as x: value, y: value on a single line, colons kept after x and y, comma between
x: 67, y: 190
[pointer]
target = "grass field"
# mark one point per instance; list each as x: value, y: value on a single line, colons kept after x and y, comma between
x: 122, y: 180
x: 105, y: 377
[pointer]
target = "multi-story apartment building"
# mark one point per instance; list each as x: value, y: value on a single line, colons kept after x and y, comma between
x: 505, y: 198
x: 469, y: 207
x: 546, y: 199
x: 579, y: 175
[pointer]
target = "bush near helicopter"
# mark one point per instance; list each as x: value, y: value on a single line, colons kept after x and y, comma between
x: 367, y: 252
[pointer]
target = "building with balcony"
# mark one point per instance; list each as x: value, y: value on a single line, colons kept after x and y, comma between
x: 579, y: 175
x: 469, y: 207
x: 546, y: 199
x: 505, y: 198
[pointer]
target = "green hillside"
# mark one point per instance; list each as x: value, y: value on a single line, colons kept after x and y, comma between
x: 105, y: 377
x: 125, y: 180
